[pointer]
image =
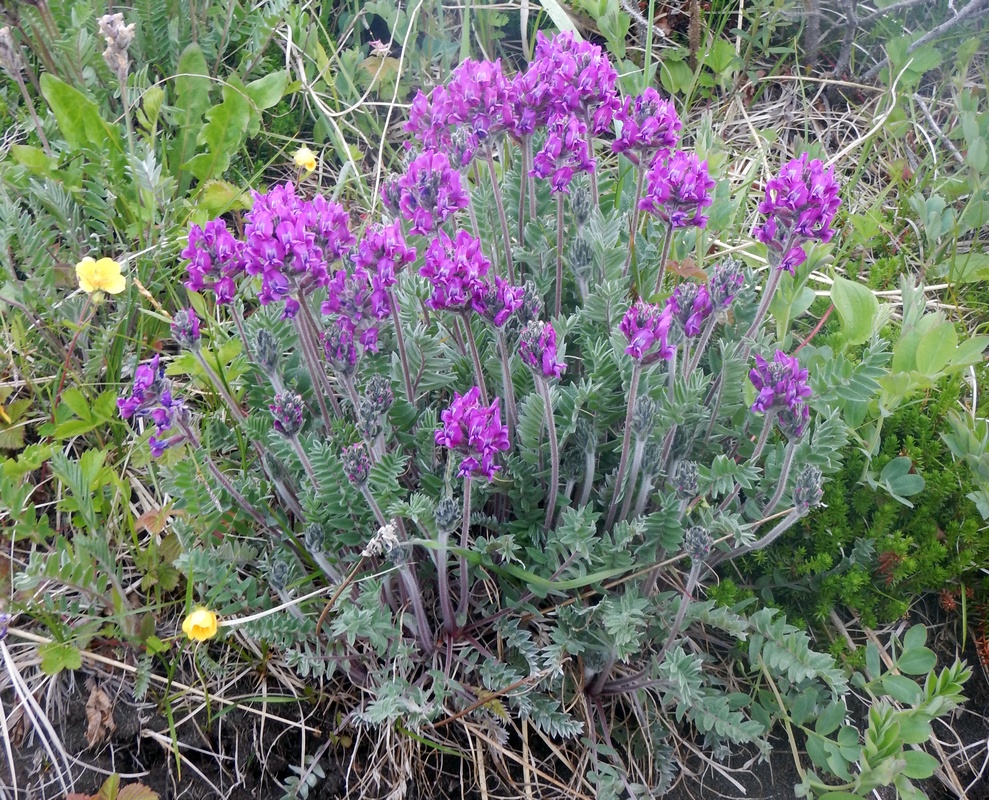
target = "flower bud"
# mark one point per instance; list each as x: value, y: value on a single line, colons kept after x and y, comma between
x: 368, y: 420
x: 643, y: 417
x: 379, y: 393
x: 697, y: 543
x: 581, y: 257
x: 315, y: 538
x: 287, y: 411
x: 266, y: 352
x: 448, y: 513
x: 808, y: 489
x: 356, y: 463
x: 685, y: 480
x: 185, y: 329
x: 724, y: 283
x: 580, y: 205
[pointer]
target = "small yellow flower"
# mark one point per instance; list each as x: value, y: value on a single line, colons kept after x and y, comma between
x: 305, y: 159
x: 100, y: 276
x: 200, y: 625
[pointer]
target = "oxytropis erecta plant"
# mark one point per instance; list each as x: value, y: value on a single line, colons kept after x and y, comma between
x: 512, y: 443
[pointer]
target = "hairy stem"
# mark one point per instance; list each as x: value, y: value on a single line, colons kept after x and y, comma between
x: 634, y: 224
x: 590, y: 154
x: 626, y: 442
x: 508, y: 388
x: 667, y: 244
x: 220, y: 387
x: 557, y: 302
x: 402, y: 352
x: 588, y: 484
x: 554, y: 452
x: 464, y: 541
x: 476, y: 357
x: 791, y: 448
x: 691, y: 364
x: 633, y: 476
x: 500, y: 205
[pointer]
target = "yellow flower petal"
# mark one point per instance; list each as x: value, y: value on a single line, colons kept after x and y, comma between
x: 100, y: 276
x: 305, y: 159
x: 200, y: 625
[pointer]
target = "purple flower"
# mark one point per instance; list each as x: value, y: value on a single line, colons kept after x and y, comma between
x: 185, y: 329
x: 781, y: 384
x: 647, y: 328
x: 563, y: 153
x: 649, y: 125
x: 678, y: 188
x: 537, y: 347
x: 149, y: 384
x: 291, y: 242
x: 500, y: 301
x: 724, y: 283
x: 431, y: 192
x: 351, y: 305
x: 356, y: 463
x: 151, y: 396
x: 800, y: 205
x: 216, y: 259
x: 340, y: 348
x: 690, y: 306
x: 475, y: 431
x: 564, y: 76
x: 382, y: 254
x: 457, y: 269
x: 287, y: 413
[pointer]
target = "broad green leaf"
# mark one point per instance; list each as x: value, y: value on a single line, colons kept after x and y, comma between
x: 78, y: 117
x: 920, y: 765
x: 857, y: 308
x: 56, y: 656
x: 76, y: 401
x: 721, y: 57
x: 917, y: 662
x: 561, y: 19
x: 840, y: 796
x: 905, y: 352
x: 915, y: 637
x: 914, y: 728
x: 263, y: 94
x: 907, y: 791
x: 218, y: 197
x: 902, y: 689
x: 192, y: 85
x: 976, y: 157
x: 969, y: 352
x: 33, y: 159
x: 936, y: 349
x: 830, y: 719
x: 149, y: 110
x: 223, y: 134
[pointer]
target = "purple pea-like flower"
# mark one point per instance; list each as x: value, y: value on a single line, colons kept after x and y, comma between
x: 185, y: 329
x: 647, y: 328
x: 287, y: 412
x: 151, y: 396
x: 339, y: 345
x: 475, y: 431
x: 457, y: 270
x: 537, y: 348
x: 678, y: 188
x: 351, y: 305
x: 290, y: 242
x: 382, y: 254
x: 477, y: 99
x: 431, y: 192
x: 650, y: 125
x: 563, y: 154
x: 800, y: 205
x: 724, y: 282
x: 690, y: 306
x: 499, y: 301
x: 356, y: 463
x: 781, y: 384
x: 216, y: 260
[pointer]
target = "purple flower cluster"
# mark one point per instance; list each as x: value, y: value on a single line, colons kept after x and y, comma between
x: 647, y: 328
x: 783, y: 390
x: 216, y: 260
x: 382, y: 253
x: 565, y: 76
x: 475, y: 100
x: 290, y: 243
x: 690, y: 306
x: 351, y: 305
x: 287, y: 411
x: 537, y: 348
x: 185, y: 329
x: 356, y: 463
x: 475, y: 431
x: 564, y: 153
x: 650, y: 125
x: 724, y: 282
x: 678, y: 188
x: 500, y: 301
x: 800, y: 205
x: 428, y: 193
x: 457, y: 269
x: 151, y: 396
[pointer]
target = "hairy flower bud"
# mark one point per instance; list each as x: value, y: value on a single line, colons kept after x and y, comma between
x: 581, y: 257
x: 356, y: 463
x: 384, y: 543
x: 724, y: 283
x: 368, y: 420
x: 379, y: 393
x: 315, y: 538
x: 448, y: 514
x: 118, y: 39
x: 287, y: 411
x: 580, y: 205
x: 697, y: 543
x: 185, y: 329
x: 279, y: 574
x: 266, y: 353
x: 274, y: 468
x: 685, y: 480
x: 808, y: 489
x: 643, y: 417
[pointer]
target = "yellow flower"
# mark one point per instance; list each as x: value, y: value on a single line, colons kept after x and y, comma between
x: 305, y: 159
x: 200, y: 625
x: 100, y: 276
